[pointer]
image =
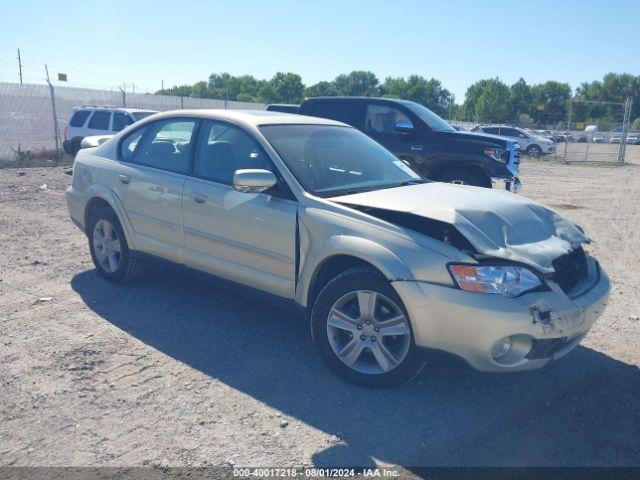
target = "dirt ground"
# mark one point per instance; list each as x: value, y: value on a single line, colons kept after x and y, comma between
x: 171, y: 371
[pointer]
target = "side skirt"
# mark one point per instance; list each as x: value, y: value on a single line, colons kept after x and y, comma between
x: 224, y: 284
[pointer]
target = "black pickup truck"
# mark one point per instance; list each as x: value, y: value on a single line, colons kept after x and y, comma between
x: 430, y: 144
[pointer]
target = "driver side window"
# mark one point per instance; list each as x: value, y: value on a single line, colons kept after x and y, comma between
x: 223, y: 149
x: 381, y: 119
x: 167, y: 146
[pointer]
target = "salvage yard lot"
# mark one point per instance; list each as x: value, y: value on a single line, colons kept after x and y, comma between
x: 171, y: 371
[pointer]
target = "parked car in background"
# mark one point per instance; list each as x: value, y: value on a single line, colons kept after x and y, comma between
x: 545, y: 134
x: 321, y: 217
x: 633, y: 138
x: 533, y: 145
x: 615, y: 138
x: 424, y: 140
x: 598, y: 138
x: 88, y: 121
x: 581, y: 138
x: 282, y: 107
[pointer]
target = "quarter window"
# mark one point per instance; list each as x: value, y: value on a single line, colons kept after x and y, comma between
x: 382, y: 119
x: 167, y: 146
x: 223, y: 149
x: 100, y: 120
x: 129, y: 144
x: 79, y: 118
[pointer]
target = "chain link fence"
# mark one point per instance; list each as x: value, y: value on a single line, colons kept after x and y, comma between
x: 27, y: 117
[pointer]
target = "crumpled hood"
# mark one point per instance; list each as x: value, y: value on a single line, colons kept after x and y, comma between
x: 499, y: 224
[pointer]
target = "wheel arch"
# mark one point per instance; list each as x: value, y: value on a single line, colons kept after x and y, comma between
x: 346, y: 252
x: 100, y: 196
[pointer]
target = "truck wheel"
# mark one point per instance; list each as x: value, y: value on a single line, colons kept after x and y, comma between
x: 362, y: 331
x: 463, y: 177
x: 109, y: 250
x: 534, y: 151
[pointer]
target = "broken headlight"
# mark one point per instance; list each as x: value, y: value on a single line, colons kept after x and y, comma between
x: 508, y: 280
x: 497, y: 154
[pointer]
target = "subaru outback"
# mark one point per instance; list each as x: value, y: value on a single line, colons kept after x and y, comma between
x: 316, y: 213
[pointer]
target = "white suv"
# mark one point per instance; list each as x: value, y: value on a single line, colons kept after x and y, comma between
x: 90, y: 121
x: 530, y: 143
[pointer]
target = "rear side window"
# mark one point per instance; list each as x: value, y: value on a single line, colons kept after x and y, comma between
x: 120, y: 121
x: 351, y: 113
x: 100, y: 120
x: 129, y: 144
x: 167, y: 146
x: 491, y: 130
x: 78, y: 118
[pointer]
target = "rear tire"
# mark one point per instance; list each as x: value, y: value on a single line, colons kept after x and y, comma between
x: 349, y: 330
x: 109, y: 250
x: 464, y: 177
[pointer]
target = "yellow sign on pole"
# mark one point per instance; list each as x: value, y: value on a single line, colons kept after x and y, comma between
x: 62, y: 77
x: 580, y: 126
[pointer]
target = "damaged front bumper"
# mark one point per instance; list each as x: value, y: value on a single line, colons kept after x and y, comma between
x: 542, y: 325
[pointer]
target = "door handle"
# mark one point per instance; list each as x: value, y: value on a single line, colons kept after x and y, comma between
x: 124, y: 179
x: 416, y: 148
x: 199, y: 197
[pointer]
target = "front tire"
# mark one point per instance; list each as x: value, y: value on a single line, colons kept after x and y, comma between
x: 109, y: 250
x: 534, y: 151
x: 362, y: 331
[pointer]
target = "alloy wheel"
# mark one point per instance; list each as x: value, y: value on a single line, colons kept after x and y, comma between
x: 368, y: 332
x: 106, y: 246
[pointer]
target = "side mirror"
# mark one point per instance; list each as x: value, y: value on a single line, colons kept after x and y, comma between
x: 404, y: 126
x: 253, y: 180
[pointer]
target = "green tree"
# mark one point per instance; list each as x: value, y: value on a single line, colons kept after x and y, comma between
x: 282, y: 88
x: 429, y: 93
x: 357, y: 83
x: 320, y: 89
x: 487, y: 101
x: 550, y: 102
x: 519, y: 99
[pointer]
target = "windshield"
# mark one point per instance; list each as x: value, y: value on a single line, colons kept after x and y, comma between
x: 140, y: 115
x: 332, y: 160
x: 433, y: 121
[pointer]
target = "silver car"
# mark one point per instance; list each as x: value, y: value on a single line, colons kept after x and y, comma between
x: 385, y: 263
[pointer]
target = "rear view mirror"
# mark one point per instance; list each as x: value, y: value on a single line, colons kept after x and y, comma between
x: 253, y: 180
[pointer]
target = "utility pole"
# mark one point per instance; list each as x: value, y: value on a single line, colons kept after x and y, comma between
x: 162, y: 84
x: 56, y: 130
x: 20, y: 66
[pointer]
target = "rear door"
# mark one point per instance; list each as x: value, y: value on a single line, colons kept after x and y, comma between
x: 394, y: 128
x: 346, y: 111
x: 99, y: 123
x: 245, y: 237
x: 155, y: 160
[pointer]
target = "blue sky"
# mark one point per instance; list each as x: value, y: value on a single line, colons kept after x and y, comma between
x: 104, y: 44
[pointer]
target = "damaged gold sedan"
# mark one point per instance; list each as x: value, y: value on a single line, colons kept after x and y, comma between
x: 314, y: 212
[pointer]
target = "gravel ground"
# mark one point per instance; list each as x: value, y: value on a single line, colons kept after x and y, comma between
x: 173, y: 371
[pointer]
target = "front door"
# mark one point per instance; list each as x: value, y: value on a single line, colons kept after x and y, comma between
x: 394, y: 129
x: 245, y: 237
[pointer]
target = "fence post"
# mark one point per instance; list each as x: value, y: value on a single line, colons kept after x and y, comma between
x: 566, y: 140
x: 625, y: 129
x: 56, y: 129
x: 124, y: 97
